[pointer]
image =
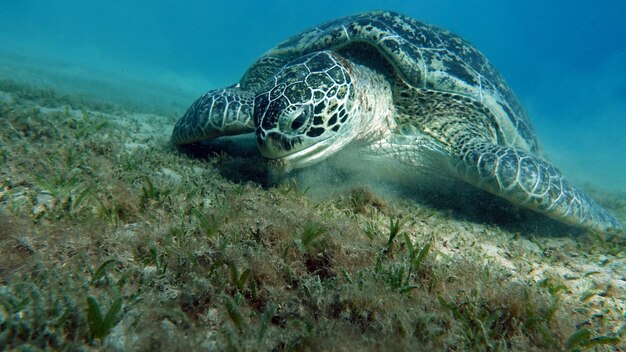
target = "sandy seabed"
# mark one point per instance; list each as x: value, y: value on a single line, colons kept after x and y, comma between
x: 112, y: 239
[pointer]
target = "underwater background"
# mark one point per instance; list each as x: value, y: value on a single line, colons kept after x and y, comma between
x: 566, y: 60
x: 112, y: 239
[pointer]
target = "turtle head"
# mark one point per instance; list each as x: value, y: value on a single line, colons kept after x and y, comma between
x: 301, y: 115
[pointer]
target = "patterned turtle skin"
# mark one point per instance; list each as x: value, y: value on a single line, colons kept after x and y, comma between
x: 400, y: 88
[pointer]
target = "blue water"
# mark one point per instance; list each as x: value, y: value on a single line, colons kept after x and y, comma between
x: 565, y: 59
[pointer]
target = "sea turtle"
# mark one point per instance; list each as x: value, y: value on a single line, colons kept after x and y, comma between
x: 396, y: 87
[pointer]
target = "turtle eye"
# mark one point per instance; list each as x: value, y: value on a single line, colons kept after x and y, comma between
x: 299, y: 121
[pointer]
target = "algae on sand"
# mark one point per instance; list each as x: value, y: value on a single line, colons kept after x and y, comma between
x: 172, y: 254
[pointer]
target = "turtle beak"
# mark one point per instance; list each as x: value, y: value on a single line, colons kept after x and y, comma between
x: 275, y: 145
x: 287, y: 151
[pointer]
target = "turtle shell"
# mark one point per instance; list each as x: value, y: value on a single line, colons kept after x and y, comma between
x: 420, y: 55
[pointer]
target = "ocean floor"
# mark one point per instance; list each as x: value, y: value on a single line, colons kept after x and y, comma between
x: 112, y: 239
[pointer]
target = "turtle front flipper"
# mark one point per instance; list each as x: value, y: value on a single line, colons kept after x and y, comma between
x: 217, y: 113
x: 524, y: 179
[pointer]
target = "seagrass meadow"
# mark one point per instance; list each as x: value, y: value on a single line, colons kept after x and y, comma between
x: 111, y: 239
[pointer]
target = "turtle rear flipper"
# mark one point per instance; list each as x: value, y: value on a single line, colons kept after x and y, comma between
x: 529, y: 181
x: 217, y: 113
